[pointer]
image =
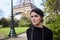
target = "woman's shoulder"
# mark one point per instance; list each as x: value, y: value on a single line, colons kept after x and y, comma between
x: 47, y: 29
x: 29, y: 29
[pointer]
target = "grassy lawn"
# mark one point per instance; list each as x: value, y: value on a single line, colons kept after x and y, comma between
x: 18, y: 30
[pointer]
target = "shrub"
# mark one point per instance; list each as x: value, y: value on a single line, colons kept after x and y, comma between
x: 55, y: 27
x: 24, y: 22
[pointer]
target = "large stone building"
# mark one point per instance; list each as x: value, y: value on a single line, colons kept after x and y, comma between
x: 24, y: 8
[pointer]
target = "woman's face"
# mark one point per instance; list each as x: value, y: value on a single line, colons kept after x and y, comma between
x: 35, y: 18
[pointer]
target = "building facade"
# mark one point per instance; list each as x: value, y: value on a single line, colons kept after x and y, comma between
x: 24, y: 8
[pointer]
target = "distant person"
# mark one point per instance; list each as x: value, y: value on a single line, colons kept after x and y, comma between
x: 37, y: 31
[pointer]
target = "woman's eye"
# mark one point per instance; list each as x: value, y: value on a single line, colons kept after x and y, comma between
x: 31, y: 16
x: 36, y: 16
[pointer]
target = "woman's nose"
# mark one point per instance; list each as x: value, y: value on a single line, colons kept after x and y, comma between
x: 33, y: 18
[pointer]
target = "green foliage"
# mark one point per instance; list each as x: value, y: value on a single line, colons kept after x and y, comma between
x: 24, y: 22
x: 4, y: 22
x: 7, y: 22
x: 16, y: 23
x: 0, y: 22
x: 54, y: 25
x: 51, y: 6
x: 50, y: 20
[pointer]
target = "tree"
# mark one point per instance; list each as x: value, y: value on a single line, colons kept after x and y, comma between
x: 0, y: 22
x: 5, y: 23
x: 52, y: 6
x: 54, y: 25
x: 24, y: 22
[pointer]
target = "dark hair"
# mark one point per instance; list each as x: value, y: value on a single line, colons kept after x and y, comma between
x: 38, y: 11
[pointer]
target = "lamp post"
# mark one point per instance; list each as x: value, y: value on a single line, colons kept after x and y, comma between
x: 12, y: 30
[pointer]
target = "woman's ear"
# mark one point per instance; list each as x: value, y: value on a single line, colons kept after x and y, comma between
x: 41, y: 19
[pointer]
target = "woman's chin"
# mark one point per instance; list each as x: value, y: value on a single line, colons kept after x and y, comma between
x: 34, y: 23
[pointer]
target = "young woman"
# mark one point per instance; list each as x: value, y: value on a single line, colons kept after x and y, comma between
x: 37, y: 31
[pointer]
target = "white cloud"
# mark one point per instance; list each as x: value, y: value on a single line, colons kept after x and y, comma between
x: 15, y: 2
x: 5, y: 5
x: 38, y: 4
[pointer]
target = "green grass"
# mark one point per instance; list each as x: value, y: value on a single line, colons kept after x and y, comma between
x: 18, y: 30
x: 4, y: 31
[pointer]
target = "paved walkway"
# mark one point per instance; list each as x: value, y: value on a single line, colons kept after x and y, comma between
x: 19, y: 37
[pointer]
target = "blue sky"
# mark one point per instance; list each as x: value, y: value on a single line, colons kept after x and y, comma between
x: 5, y: 6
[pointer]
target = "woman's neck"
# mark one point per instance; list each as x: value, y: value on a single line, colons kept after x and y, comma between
x: 39, y: 25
